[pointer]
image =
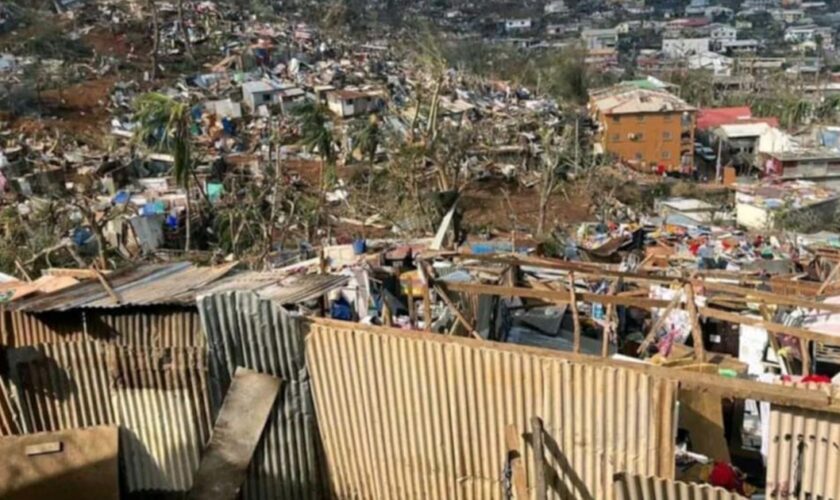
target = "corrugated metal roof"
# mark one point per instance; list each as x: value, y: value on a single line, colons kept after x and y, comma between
x: 141, y: 286
x: 411, y: 415
x: 244, y: 330
x: 635, y: 487
x: 280, y: 287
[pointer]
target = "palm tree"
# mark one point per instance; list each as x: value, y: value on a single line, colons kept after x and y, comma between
x: 166, y: 123
x: 367, y: 139
x: 316, y: 136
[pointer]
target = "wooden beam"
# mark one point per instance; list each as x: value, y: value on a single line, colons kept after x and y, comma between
x: 828, y: 281
x: 696, y: 330
x: 575, y: 313
x: 517, y: 467
x: 538, y: 448
x: 107, y: 286
x: 460, y: 317
x: 554, y: 296
x: 741, y: 319
x: 769, y: 298
x: 661, y: 319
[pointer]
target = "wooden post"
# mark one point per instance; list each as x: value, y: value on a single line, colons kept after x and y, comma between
x: 519, y: 479
x: 804, y: 346
x: 412, y: 311
x: 427, y: 297
x: 460, y: 317
x: 575, y: 314
x: 829, y: 280
x: 538, y: 447
x: 611, y: 313
x: 696, y: 332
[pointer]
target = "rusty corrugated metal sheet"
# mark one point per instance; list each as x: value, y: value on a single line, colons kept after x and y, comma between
x: 142, y: 286
x: 61, y: 386
x: 635, y: 487
x: 160, y: 401
x: 280, y: 288
x: 803, y: 454
x: 244, y: 330
x: 409, y: 415
x: 27, y: 329
x: 157, y: 326
x: 8, y: 422
x: 153, y: 326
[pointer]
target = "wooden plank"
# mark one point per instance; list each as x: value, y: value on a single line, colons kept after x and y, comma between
x: 768, y: 297
x: 242, y: 418
x: 661, y: 319
x: 554, y: 296
x: 538, y: 448
x: 575, y: 313
x: 517, y: 466
x: 452, y: 307
x: 107, y: 286
x: 696, y: 331
x: 828, y: 281
x: 741, y: 319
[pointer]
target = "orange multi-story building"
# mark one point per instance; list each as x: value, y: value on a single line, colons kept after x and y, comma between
x: 645, y: 128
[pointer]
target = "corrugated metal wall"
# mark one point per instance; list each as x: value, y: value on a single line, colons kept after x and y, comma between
x: 158, y: 326
x: 61, y: 386
x: 635, y: 487
x: 803, y: 458
x: 407, y: 415
x: 160, y: 400
x: 157, y: 395
x: 44, y: 328
x: 8, y: 422
x: 244, y: 330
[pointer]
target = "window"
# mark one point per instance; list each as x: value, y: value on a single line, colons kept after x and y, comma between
x: 666, y: 155
x: 638, y: 137
x: 640, y: 118
x: 615, y: 138
x: 616, y: 118
x: 639, y: 156
x: 666, y: 136
x: 266, y: 97
x: 668, y: 117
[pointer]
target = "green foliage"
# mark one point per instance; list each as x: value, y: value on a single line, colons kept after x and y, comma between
x: 166, y: 123
x: 369, y: 137
x: 315, y: 129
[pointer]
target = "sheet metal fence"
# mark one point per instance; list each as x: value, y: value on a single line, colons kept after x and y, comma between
x: 407, y: 415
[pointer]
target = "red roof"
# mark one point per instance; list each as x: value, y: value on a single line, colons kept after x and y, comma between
x: 714, y: 117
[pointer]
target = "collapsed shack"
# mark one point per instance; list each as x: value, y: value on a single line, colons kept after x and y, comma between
x: 605, y: 363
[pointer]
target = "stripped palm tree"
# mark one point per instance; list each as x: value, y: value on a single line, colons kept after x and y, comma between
x: 315, y: 127
x: 165, y: 123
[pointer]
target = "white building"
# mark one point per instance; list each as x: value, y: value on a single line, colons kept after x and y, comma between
x: 347, y: 103
x: 269, y: 93
x: 597, y: 39
x: 723, y: 32
x: 676, y: 48
x: 518, y: 24
x: 718, y: 64
x: 556, y: 7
